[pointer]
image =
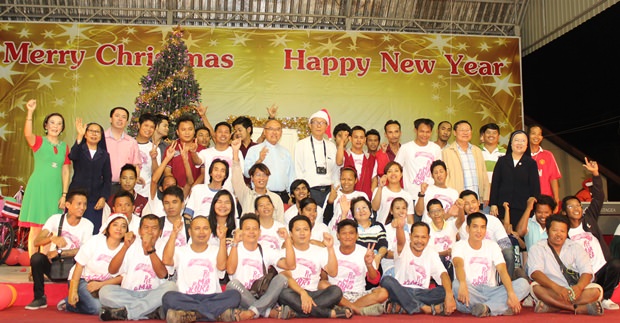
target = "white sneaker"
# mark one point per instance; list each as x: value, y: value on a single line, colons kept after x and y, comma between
x: 62, y: 305
x: 528, y: 301
x: 610, y: 305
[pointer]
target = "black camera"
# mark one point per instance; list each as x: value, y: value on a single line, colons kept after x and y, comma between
x: 321, y: 170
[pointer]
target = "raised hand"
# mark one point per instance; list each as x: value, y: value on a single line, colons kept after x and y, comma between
x: 507, y: 205
x: 153, y: 152
x: 236, y: 144
x: 263, y: 154
x: 272, y: 110
x: 382, y: 181
x: 423, y: 188
x: 369, y: 257
x: 31, y: 105
x: 237, y: 235
x: 530, y: 202
x: 328, y: 240
x: 177, y: 226
x: 170, y: 150
x: 345, y: 205
x: 333, y: 193
x: 202, y: 110
x: 384, y: 146
x: 80, y: 127
x: 591, y: 166
x: 130, y: 237
x: 221, y: 232
x: 283, y: 233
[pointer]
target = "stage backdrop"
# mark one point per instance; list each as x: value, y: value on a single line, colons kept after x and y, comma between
x: 83, y: 70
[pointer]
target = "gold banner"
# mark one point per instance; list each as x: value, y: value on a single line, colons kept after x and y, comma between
x: 365, y: 78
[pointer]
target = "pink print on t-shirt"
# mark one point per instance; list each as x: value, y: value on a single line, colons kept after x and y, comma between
x: 484, y: 268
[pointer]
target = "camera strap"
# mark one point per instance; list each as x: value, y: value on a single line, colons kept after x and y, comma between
x: 314, y: 153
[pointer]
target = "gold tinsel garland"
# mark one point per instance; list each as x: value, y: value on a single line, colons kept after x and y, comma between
x: 298, y: 123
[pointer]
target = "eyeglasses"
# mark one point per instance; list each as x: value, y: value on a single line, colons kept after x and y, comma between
x: 260, y: 175
x: 365, y: 208
x: 573, y: 206
x: 93, y: 131
x: 433, y: 212
x: 273, y: 129
x: 319, y: 123
x: 521, y: 141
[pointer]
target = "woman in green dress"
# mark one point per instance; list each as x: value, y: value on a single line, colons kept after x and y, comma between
x: 47, y: 187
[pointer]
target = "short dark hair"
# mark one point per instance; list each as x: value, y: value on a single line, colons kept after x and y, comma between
x: 358, y: 128
x: 341, y: 127
x: 358, y: 199
x: 186, y: 117
x: 305, y: 202
x: 424, y: 121
x: 213, y: 162
x: 532, y: 126
x: 131, y: 168
x: 56, y: 114
x: 223, y: 124
x: 174, y: 191
x: 433, y: 202
x: 160, y: 224
x: 568, y: 198
x: 489, y: 126
x: 74, y: 192
x: 260, y: 166
x: 444, y: 121
x: 159, y: 118
x: 557, y: 218
x: 460, y: 122
x: 421, y: 224
x: 204, y: 128
x: 350, y: 169
x: 123, y: 193
x: 346, y: 222
x: 245, y: 122
x: 262, y: 197
x: 476, y: 215
x: 249, y: 216
x: 390, y: 164
x: 437, y: 163
x: 373, y: 132
x: 119, y: 108
x: 295, y: 184
x: 391, y: 122
x: 296, y: 218
x: 146, y: 117
x: 468, y: 193
x: 546, y: 200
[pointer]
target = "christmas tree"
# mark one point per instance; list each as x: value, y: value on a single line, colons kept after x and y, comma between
x: 169, y: 87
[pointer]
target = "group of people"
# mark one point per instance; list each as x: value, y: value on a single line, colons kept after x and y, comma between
x: 185, y: 231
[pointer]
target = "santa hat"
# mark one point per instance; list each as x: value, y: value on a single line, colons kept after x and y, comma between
x: 111, y: 219
x: 323, y: 114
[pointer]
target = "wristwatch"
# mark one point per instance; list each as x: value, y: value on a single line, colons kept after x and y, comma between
x: 150, y: 251
x: 59, y: 252
x: 421, y: 195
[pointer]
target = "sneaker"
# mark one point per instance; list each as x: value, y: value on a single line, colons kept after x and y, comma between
x: 528, y: 301
x: 113, y: 314
x: 180, y: 316
x: 480, y: 310
x: 37, y: 304
x: 609, y: 305
x: 62, y: 305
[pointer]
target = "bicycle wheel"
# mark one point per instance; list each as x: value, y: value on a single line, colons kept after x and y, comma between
x: 7, y: 236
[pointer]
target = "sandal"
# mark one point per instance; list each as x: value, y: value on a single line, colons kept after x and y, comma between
x: 595, y: 308
x: 342, y: 312
x: 372, y: 310
x: 230, y: 315
x: 392, y: 308
x: 441, y: 310
x: 541, y: 307
x: 287, y: 313
x: 480, y: 310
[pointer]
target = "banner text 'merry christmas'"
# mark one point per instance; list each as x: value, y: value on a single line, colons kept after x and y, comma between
x: 390, y: 63
x: 106, y: 55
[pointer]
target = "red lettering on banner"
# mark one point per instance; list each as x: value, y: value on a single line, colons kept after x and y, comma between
x: 406, y: 65
x: 327, y: 65
x: 474, y: 68
x: 24, y: 55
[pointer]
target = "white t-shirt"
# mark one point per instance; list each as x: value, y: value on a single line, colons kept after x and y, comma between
x: 447, y: 197
x: 95, y: 256
x: 351, y: 270
x: 137, y: 269
x: 197, y: 272
x: 325, y: 156
x: 495, y: 229
x: 75, y: 236
x: 590, y: 244
x: 200, y: 199
x: 333, y: 223
x: 181, y: 239
x: 209, y: 154
x: 293, y: 211
x: 416, y: 272
x: 154, y: 206
x: 309, y: 262
x: 416, y: 161
x: 445, y: 238
x: 146, y: 169
x: 479, y: 264
x: 358, y: 159
x: 387, y: 196
x: 269, y: 238
x: 390, y: 236
x: 317, y: 232
x: 250, y: 264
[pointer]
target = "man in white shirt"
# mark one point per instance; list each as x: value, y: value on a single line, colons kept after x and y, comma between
x: 274, y: 156
x: 416, y: 157
x: 550, y: 286
x: 144, y: 276
x: 75, y: 231
x: 476, y: 260
x: 148, y: 152
x: 315, y: 158
x: 415, y: 265
x: 221, y: 150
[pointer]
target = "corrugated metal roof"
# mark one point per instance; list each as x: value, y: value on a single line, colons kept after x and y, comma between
x: 481, y: 17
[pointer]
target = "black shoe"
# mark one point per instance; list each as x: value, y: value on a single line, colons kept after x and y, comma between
x: 37, y: 304
x: 157, y: 314
x: 113, y: 314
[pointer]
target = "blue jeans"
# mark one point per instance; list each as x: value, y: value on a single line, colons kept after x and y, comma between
x: 264, y: 304
x: 209, y: 306
x: 139, y: 304
x: 412, y: 299
x: 86, y: 304
x: 324, y: 299
x: 493, y: 297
